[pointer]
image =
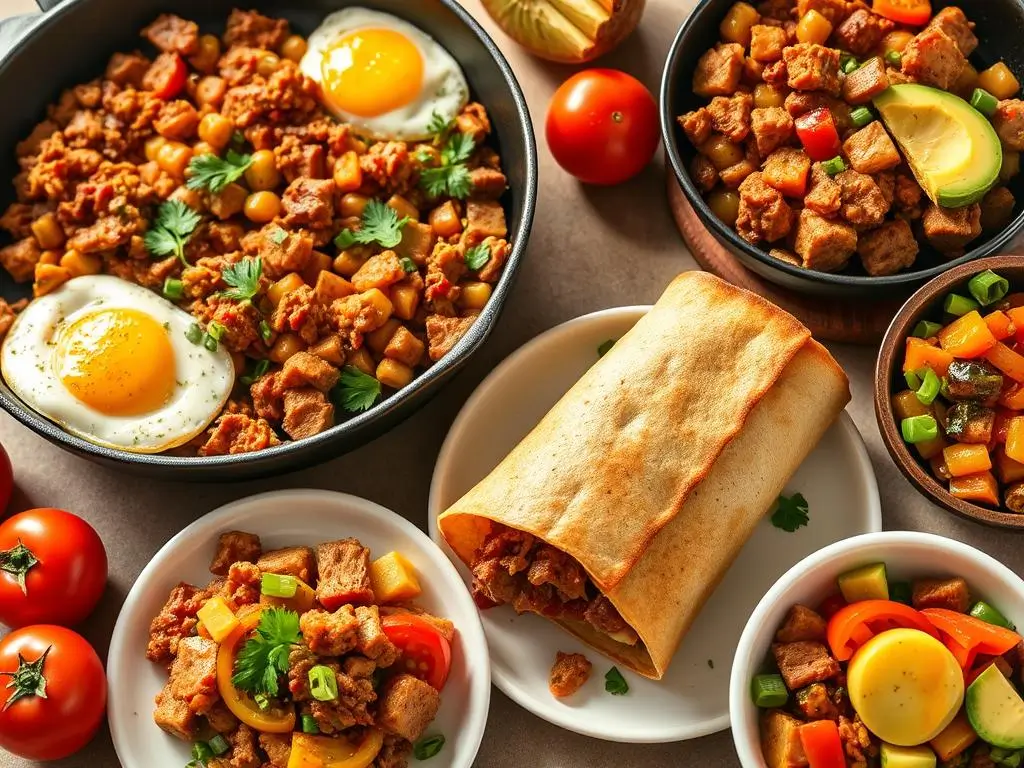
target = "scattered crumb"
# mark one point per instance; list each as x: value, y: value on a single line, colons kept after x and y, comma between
x: 569, y: 673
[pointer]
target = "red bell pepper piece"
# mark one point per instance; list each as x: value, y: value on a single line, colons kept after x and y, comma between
x: 817, y: 132
x: 822, y: 745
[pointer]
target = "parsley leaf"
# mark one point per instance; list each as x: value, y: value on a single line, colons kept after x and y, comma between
x: 380, y: 225
x: 790, y: 513
x: 615, y: 683
x: 264, y: 658
x: 355, y: 391
x: 243, y: 277
x: 428, y: 746
x: 215, y: 173
x: 438, y: 126
x: 451, y: 177
x: 478, y: 256
x: 408, y: 264
x: 605, y: 347
x: 278, y: 235
x: 171, y: 229
x: 460, y: 147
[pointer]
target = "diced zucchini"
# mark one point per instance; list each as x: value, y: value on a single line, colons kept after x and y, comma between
x: 865, y: 583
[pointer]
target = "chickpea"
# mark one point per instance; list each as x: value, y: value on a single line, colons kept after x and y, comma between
x: 768, y: 96
x: 262, y: 174
x: 153, y: 145
x: 813, y: 28
x: 287, y: 344
x: 262, y: 207
x: 725, y: 204
x: 210, y: 91
x: 999, y: 81
x: 174, y: 157
x: 216, y: 130
x: 205, y: 59
x: 403, y: 207
x: 294, y: 48
x: 352, y: 205
x: 736, y: 26
x: 475, y: 295
x: 268, y: 64
x: 721, y: 152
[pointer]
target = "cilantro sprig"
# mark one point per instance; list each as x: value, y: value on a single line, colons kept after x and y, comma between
x: 264, y: 658
x: 171, y: 229
x: 615, y: 683
x: 243, y: 279
x: 451, y: 176
x: 355, y: 391
x: 478, y: 256
x: 380, y: 224
x: 215, y: 173
x: 791, y: 512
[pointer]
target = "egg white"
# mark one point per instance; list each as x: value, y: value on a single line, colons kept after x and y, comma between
x: 203, y: 378
x: 444, y: 90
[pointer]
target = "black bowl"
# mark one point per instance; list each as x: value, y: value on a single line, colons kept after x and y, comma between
x: 999, y: 22
x: 72, y: 43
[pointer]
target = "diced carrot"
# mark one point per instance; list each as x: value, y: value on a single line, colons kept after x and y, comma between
x: 967, y: 337
x: 921, y: 354
x: 929, y: 449
x: 1007, y: 361
x: 1013, y: 398
x: 1016, y: 314
x: 964, y: 459
x: 1015, y: 439
x: 978, y: 487
x: 1000, y: 324
x: 1007, y: 470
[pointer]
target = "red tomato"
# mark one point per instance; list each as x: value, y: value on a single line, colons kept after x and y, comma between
x: 6, y: 480
x: 425, y: 651
x: 167, y: 76
x: 817, y: 132
x: 857, y: 623
x: 913, y: 12
x: 602, y: 126
x: 62, y: 722
x: 53, y: 568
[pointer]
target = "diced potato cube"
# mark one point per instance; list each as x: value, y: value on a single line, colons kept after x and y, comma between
x: 219, y: 620
x: 393, y: 578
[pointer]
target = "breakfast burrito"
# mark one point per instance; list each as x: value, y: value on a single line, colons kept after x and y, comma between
x: 617, y: 516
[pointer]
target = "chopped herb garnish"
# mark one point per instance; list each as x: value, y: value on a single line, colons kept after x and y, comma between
x: 478, y: 256
x: 243, y: 277
x: 355, y: 391
x: 790, y: 512
x: 605, y: 347
x: 261, y: 367
x: 264, y: 658
x: 407, y: 264
x: 428, y: 746
x: 174, y: 289
x: 216, y: 330
x: 615, y: 683
x: 171, y: 229
x: 438, y: 127
x: 265, y: 331
x: 216, y: 173
x: 219, y: 744
x: 194, y: 333
x: 380, y: 225
x: 278, y: 235
x: 210, y: 342
x: 451, y: 177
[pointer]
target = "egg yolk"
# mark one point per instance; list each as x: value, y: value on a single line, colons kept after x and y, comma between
x: 371, y: 71
x: 117, y: 361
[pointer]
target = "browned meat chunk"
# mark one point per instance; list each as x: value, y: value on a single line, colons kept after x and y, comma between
x: 488, y: 183
x: 178, y: 120
x: 278, y: 747
x: 833, y: 10
x: 174, y: 716
x: 703, y: 173
x: 484, y: 218
x: 344, y: 573
x: 780, y: 740
x: 242, y: 585
x: 309, y: 203
x: 1013, y: 498
x: 237, y: 433
x: 235, y: 547
x: 822, y: 244
x: 825, y: 196
x: 176, y: 620
x: 568, y: 674
x: 330, y: 634
x: 933, y: 58
x: 815, y: 703
x: 380, y: 271
x: 888, y: 249
x: 371, y: 641
x: 764, y: 215
x: 696, y: 125
x: 718, y: 71
x: 299, y: 311
x: 394, y: 753
x: 804, y: 662
x: 299, y: 562
x: 562, y: 571
x: 604, y: 617
x: 949, y: 230
x: 174, y: 34
x: 766, y: 43
x: 243, y: 753
x: 443, y: 333
x: 951, y: 594
x: 772, y: 127
x: 191, y: 689
x: 954, y: 23
x: 775, y: 74
x: 307, y: 412
x: 802, y: 623
x: 20, y: 259
x: 127, y: 69
x: 862, y: 31
x: 870, y: 150
x: 812, y: 67
x: 997, y: 209
x: 865, y: 82
x: 907, y: 196
x: 253, y: 30
x: 305, y: 369
x: 1009, y: 123
x: 731, y: 115
x: 407, y: 706
x: 863, y: 204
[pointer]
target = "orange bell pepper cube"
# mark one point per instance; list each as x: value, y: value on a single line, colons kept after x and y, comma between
x: 966, y: 459
x: 1001, y: 325
x: 980, y: 487
x: 967, y: 337
x: 1016, y: 315
x: 1013, y: 398
x: 822, y: 745
x: 1007, y: 361
x: 921, y: 354
x: 1015, y: 439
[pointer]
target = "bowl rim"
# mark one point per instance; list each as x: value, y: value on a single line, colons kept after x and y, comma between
x: 888, y: 359
x: 732, y: 240
x: 746, y: 737
x: 288, y: 454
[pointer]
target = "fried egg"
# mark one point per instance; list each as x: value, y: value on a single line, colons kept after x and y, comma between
x: 382, y: 75
x: 109, y: 361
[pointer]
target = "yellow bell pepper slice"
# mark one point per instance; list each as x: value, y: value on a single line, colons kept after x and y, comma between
x: 218, y: 619
x: 310, y: 751
x: 393, y: 579
x: 300, y: 602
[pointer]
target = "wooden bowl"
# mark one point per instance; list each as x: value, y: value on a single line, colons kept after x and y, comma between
x: 926, y: 304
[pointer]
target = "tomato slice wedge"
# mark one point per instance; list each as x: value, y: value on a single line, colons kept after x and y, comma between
x: 426, y: 653
x: 857, y: 623
x: 971, y: 633
x: 913, y: 12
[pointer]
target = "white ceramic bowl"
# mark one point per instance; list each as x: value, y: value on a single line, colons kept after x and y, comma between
x: 907, y: 555
x: 286, y: 518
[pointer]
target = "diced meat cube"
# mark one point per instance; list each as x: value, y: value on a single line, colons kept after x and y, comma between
x: 242, y: 585
x: 812, y: 67
x: 173, y: 34
x: 822, y: 244
x: 568, y: 674
x: 127, y: 69
x: 243, y: 752
x: 780, y: 740
x: 731, y: 115
x: 484, y: 218
x: 309, y: 203
x: 766, y: 43
x: 221, y: 719
x: 235, y: 547
x: 825, y: 196
x: 299, y: 562
x: 177, y: 619
x: 194, y: 674
x: 443, y: 333
x: 950, y: 229
x: 696, y: 125
x: 865, y: 82
x: 775, y: 74
x: 862, y: 31
x: 488, y: 183
x: 174, y: 715
x: 407, y: 706
x: 344, y: 573
x: 802, y: 623
x: 307, y: 412
x: 177, y: 120
x: 870, y: 150
x: 20, y: 259
x: 254, y: 30
x: 380, y: 271
x: 863, y: 204
x: 235, y: 433
x: 764, y: 215
x: 997, y: 209
x: 804, y: 662
x: 371, y: 641
x: 833, y: 10
x: 888, y: 249
x: 718, y: 71
x: 405, y: 347
x: 787, y: 170
x: 278, y: 747
x: 951, y: 594
x: 907, y: 196
x: 954, y: 23
x: 330, y: 634
x: 814, y: 703
x: 772, y: 128
x: 306, y: 369
x: 703, y: 173
x: 933, y: 58
x: 1009, y: 123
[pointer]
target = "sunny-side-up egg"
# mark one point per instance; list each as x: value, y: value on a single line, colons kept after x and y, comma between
x: 906, y: 686
x: 382, y: 75
x: 109, y: 361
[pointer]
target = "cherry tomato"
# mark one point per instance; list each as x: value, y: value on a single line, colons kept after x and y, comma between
x: 913, y: 12
x: 53, y: 568
x: 817, y: 132
x: 602, y: 126
x: 167, y: 75
x: 6, y: 480
x: 426, y: 653
x: 60, y: 663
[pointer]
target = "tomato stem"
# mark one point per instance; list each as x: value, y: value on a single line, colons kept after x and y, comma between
x: 28, y: 679
x: 18, y: 561
x: 616, y: 117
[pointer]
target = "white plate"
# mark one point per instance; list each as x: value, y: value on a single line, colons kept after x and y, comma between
x: 693, y: 699
x: 286, y: 518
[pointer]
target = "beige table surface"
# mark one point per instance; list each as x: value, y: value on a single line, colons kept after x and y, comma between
x: 590, y: 249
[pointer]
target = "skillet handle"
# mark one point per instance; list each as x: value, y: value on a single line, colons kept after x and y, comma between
x: 47, y: 5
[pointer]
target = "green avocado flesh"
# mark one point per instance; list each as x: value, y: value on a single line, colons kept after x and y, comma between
x: 951, y: 147
x: 996, y: 710
x: 907, y: 757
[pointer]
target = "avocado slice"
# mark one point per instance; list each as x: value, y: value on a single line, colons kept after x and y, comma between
x: 996, y: 710
x: 907, y: 757
x: 865, y: 583
x: 951, y: 147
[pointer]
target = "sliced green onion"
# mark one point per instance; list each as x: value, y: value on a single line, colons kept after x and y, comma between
x: 201, y: 751
x: 261, y: 367
x: 930, y: 386
x: 194, y: 333
x: 984, y: 102
x: 278, y: 585
x: 912, y: 379
x: 1008, y: 758
x: 174, y: 289
x: 216, y: 330
x: 265, y: 331
x: 958, y: 305
x: 219, y: 745
x: 261, y: 701
x: 988, y: 287
x: 918, y: 429
x: 309, y: 724
x: 894, y: 57
x: 323, y: 685
x: 991, y: 615
x: 834, y: 166
x: 769, y: 691
x: 210, y: 343
x: 926, y: 329
x: 848, y: 62
x: 861, y: 116
x: 901, y: 592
